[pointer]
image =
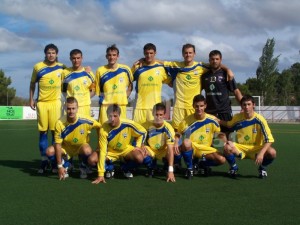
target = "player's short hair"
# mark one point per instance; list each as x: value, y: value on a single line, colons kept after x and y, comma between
x: 71, y: 100
x: 113, y: 108
x: 112, y: 48
x: 159, y: 106
x: 215, y: 52
x: 247, y: 98
x: 149, y: 46
x: 199, y: 98
x: 75, y: 52
x: 188, y: 45
x: 50, y: 46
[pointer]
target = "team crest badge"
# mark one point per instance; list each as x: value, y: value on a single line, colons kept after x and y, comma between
x: 207, y: 130
x: 58, y: 74
x: 84, y: 82
x: 157, y: 72
x: 121, y: 79
x: 196, y: 72
x: 125, y: 135
x: 254, y: 131
x: 81, y: 131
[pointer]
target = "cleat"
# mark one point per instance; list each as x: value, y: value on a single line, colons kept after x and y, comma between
x: 189, y: 174
x: 196, y: 169
x: 83, y: 173
x: 262, y: 174
x: 203, y: 169
x: 109, y: 174
x: 150, y: 173
x: 128, y: 175
x: 43, y: 168
x: 233, y: 171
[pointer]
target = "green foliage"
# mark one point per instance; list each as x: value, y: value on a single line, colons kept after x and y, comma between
x: 6, y: 93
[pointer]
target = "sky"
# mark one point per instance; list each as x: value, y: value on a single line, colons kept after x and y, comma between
x: 238, y: 28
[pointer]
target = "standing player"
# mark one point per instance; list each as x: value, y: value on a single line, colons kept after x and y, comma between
x: 149, y: 78
x: 115, y: 143
x: 160, y: 141
x: 217, y: 85
x: 79, y: 83
x: 113, y: 83
x: 196, y: 132
x: 47, y: 75
x: 71, y: 139
x: 186, y: 82
x: 253, y: 138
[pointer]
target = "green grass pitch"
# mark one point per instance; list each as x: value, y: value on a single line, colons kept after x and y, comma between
x: 31, y: 199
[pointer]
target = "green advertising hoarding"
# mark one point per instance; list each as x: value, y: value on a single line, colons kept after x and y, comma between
x: 11, y: 112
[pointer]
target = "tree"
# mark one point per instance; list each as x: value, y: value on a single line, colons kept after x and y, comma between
x: 266, y: 72
x: 6, y: 93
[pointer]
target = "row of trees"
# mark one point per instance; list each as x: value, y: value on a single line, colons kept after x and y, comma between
x: 274, y: 88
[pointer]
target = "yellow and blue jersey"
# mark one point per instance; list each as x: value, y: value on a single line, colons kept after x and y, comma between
x: 117, y: 139
x: 49, y: 81
x: 149, y: 80
x: 199, y: 131
x: 78, y: 84
x: 186, y: 82
x: 159, y: 137
x: 112, y: 84
x: 72, y: 135
x: 254, y: 131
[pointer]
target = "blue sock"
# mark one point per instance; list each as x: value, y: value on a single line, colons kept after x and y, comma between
x: 265, y: 163
x: 188, y: 158
x: 52, y: 159
x: 147, y: 161
x: 66, y: 164
x: 231, y: 160
x: 43, y: 143
x: 177, y: 159
x: 109, y: 166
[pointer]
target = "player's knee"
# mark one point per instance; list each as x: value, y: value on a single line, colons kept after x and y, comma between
x: 271, y: 153
x: 138, y: 156
x: 86, y: 149
x: 93, y: 159
x: 50, y: 151
x: 187, y: 144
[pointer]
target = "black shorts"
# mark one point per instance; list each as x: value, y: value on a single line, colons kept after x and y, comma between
x: 224, y: 117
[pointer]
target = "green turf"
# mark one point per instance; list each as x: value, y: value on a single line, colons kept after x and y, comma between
x: 27, y: 198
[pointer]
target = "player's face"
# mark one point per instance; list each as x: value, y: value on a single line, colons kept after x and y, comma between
x: 51, y: 55
x: 215, y: 62
x: 149, y: 56
x: 114, y: 119
x: 72, y: 109
x: 188, y: 55
x: 112, y: 57
x: 199, y: 108
x: 159, y: 116
x: 248, y: 108
x: 76, y: 60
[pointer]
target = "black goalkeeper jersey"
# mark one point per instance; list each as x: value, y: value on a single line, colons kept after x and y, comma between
x: 217, y: 90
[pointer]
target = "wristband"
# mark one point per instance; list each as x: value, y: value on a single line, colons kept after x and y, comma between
x: 171, y: 169
x: 59, y: 166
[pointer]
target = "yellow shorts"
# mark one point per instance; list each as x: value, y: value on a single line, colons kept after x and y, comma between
x: 70, y: 152
x: 103, y: 115
x: 179, y: 115
x: 157, y: 154
x: 114, y: 155
x: 199, y: 150
x: 248, y: 151
x: 142, y: 115
x: 85, y: 110
x: 47, y: 114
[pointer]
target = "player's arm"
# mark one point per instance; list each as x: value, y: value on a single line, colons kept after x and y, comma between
x: 129, y: 89
x: 102, y: 157
x: 92, y: 90
x: 238, y: 95
x: 58, y: 154
x: 170, y: 157
x: 229, y: 72
x: 176, y: 143
x: 32, y: 103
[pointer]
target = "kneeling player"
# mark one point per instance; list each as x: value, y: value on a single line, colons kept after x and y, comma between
x: 160, y: 141
x: 253, y: 138
x: 115, y: 143
x: 71, y: 139
x: 195, y: 137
